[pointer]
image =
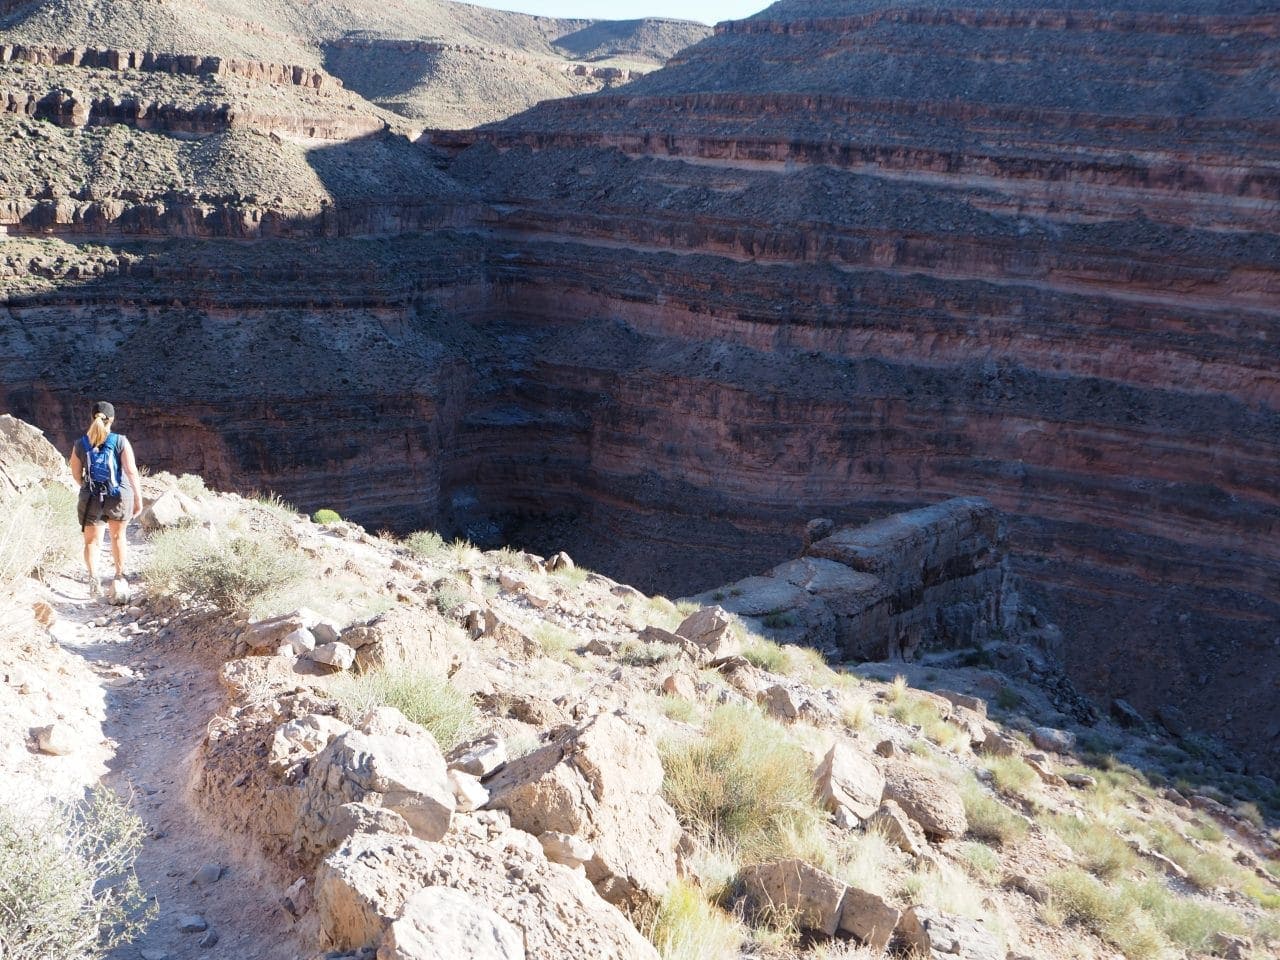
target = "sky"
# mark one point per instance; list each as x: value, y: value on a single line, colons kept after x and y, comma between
x: 708, y: 11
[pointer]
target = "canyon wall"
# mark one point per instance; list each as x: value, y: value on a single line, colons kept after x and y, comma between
x: 841, y: 259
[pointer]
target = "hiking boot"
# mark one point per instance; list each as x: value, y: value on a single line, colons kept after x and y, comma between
x: 120, y: 591
x: 95, y: 588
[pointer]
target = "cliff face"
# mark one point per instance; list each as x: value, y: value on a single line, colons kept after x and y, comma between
x: 838, y: 260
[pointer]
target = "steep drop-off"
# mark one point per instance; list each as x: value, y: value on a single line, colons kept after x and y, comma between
x: 839, y: 259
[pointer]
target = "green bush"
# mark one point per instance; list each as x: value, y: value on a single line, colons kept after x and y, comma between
x: 743, y: 783
x: 426, y: 544
x: 421, y: 695
x: 232, y: 574
x: 68, y: 888
x: 326, y: 516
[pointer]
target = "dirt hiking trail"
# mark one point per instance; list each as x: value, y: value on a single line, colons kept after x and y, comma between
x: 158, y: 701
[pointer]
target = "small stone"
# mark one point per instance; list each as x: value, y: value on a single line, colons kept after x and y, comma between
x: 1081, y: 781
x: 210, y: 939
x: 336, y: 654
x: 301, y: 640
x: 469, y: 793
x: 193, y: 923
x: 887, y: 748
x: 56, y: 739
x: 679, y: 685
x: 565, y: 848
x: 148, y: 954
x: 210, y: 873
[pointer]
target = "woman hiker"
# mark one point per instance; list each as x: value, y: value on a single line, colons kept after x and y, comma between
x: 110, y: 492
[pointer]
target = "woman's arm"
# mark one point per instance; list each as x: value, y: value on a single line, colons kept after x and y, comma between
x: 131, y: 474
x: 77, y: 468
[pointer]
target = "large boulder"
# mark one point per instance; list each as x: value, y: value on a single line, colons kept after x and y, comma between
x: 171, y: 508
x: 363, y: 888
x: 441, y: 922
x: 406, y: 636
x: 26, y: 457
x: 711, y: 631
x: 868, y: 918
x: 934, y: 935
x: 848, y: 778
x: 795, y: 889
x: 928, y: 799
x: 389, y: 762
x: 600, y: 782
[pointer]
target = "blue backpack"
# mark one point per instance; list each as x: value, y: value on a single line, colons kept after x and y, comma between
x: 102, y: 466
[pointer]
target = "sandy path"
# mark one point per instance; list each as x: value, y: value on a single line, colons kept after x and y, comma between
x: 158, y: 701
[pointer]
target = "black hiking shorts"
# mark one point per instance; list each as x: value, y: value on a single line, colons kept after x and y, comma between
x: 94, y: 509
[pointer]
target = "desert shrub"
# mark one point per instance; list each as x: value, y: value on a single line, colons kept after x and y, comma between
x: 274, y: 505
x: 766, y: 654
x: 1011, y: 775
x: 864, y: 860
x: 426, y: 544
x: 1184, y: 920
x: 1008, y: 698
x: 1203, y: 829
x: 325, y: 515
x: 67, y: 883
x: 1204, y: 868
x: 743, y: 783
x: 858, y: 714
x: 687, y: 927
x: 424, y: 697
x: 450, y: 596
x: 989, y: 819
x: 949, y: 890
x: 557, y: 643
x: 645, y: 653
x: 980, y: 861
x: 1095, y: 843
x: 897, y: 689
x: 1113, y: 917
x: 779, y: 621
x: 37, y: 533
x: 239, y: 572
x: 192, y: 485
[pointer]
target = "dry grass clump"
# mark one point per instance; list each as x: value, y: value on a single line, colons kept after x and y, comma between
x: 1011, y: 776
x: 68, y: 887
x: 1097, y: 844
x: 1141, y: 919
x: 426, y: 545
x: 424, y: 697
x: 645, y: 653
x: 242, y: 572
x: 1204, y: 868
x: 687, y: 927
x: 37, y: 533
x: 1084, y: 899
x: 557, y: 643
x: 989, y: 819
x: 744, y: 785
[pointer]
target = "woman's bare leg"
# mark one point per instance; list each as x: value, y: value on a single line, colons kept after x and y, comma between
x: 119, y: 545
x: 92, y: 544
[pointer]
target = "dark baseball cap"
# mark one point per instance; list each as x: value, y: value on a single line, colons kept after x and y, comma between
x: 104, y: 408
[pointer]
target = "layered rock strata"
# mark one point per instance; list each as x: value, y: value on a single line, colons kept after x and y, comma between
x: 842, y: 259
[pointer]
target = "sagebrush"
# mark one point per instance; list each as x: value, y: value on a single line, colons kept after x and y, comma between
x: 235, y: 573
x: 68, y: 887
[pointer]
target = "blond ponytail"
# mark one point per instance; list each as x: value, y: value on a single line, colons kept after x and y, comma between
x: 99, y: 429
